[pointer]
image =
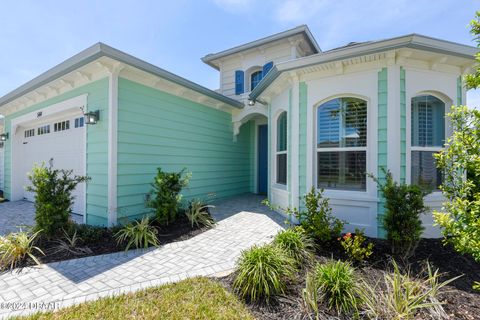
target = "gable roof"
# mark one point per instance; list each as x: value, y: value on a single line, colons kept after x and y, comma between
x: 353, y: 49
x: 99, y: 50
x: 303, y: 29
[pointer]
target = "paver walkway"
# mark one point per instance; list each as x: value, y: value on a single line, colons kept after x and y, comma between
x: 17, y: 214
x: 242, y: 222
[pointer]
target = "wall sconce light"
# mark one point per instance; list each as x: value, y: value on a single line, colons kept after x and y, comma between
x: 251, y: 102
x: 92, y: 117
x: 4, y: 137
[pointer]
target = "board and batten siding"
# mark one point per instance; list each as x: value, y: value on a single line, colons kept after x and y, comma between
x: 157, y: 129
x: 97, y: 142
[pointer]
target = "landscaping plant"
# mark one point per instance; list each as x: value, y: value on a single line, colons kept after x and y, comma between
x: 335, y: 282
x: 354, y: 246
x: 460, y: 163
x: 261, y: 272
x: 71, y: 244
x: 165, y: 196
x: 403, y: 208
x: 14, y: 247
x: 139, y: 234
x: 53, y: 197
x: 400, y: 296
x: 198, y: 214
x: 317, y: 218
x: 297, y: 244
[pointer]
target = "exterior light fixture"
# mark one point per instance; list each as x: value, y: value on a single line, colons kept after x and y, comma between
x: 251, y: 102
x: 92, y: 117
x: 4, y: 137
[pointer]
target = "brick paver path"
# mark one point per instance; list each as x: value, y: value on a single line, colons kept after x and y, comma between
x: 17, y: 214
x: 242, y: 222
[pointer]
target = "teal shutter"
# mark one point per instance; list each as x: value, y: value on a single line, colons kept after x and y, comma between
x: 239, y: 82
x: 267, y: 68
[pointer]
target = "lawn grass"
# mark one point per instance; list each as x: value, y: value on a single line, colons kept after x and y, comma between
x: 196, y: 298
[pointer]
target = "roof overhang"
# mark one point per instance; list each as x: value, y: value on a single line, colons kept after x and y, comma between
x: 300, y: 30
x: 413, y: 41
x: 101, y: 51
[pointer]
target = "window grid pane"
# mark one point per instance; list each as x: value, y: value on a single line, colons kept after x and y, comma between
x: 342, y: 123
x: 424, y: 170
x: 342, y: 170
x: 282, y: 168
x: 428, y: 122
x: 282, y: 132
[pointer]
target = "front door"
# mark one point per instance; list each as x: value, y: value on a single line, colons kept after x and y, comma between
x: 262, y: 159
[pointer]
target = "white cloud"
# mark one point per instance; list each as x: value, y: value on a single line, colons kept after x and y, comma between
x: 235, y: 6
x: 297, y: 11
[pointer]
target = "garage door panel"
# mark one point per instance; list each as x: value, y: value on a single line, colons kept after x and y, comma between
x: 62, y: 146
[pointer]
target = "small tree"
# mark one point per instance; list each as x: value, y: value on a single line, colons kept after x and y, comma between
x: 165, y: 196
x: 53, y: 197
x: 403, y: 208
x: 460, y: 162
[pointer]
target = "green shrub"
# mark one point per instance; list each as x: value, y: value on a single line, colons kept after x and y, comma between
x: 261, y: 272
x: 165, y: 196
x: 53, y: 197
x: 336, y: 284
x: 14, y: 247
x: 139, y: 234
x: 403, y: 208
x: 317, y: 218
x: 354, y: 246
x: 401, y: 296
x: 296, y: 244
x: 88, y: 234
x: 198, y: 215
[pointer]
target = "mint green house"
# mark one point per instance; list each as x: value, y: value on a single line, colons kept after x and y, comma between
x: 286, y: 117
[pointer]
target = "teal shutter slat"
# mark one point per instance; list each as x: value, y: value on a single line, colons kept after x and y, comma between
x: 267, y: 67
x: 239, y: 82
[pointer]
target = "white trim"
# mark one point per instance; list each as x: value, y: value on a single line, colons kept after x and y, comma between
x: 393, y: 120
x: 76, y: 102
x: 295, y: 142
x: 112, y: 145
x: 342, y: 193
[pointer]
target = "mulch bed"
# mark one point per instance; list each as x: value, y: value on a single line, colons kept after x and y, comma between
x: 461, y: 301
x: 105, y: 242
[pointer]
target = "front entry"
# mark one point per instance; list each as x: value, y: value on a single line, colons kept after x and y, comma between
x: 262, y: 159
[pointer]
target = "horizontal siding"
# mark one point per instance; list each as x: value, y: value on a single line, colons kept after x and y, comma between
x: 156, y: 129
x: 97, y: 146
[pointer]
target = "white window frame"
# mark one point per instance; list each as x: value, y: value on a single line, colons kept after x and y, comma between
x: 435, y: 193
x: 334, y: 191
x: 276, y: 152
x: 248, y: 77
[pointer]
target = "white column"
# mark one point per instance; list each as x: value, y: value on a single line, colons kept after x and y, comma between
x: 112, y: 143
x: 295, y: 141
x: 393, y: 109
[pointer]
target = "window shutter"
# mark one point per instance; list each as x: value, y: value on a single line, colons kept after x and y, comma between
x: 267, y: 68
x: 239, y: 82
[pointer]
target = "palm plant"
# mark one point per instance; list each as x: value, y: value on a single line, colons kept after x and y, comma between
x: 139, y: 234
x: 15, y: 247
x: 198, y: 215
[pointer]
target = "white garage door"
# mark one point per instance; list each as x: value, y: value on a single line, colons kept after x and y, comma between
x: 60, y: 142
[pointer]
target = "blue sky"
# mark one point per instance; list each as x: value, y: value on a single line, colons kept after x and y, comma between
x: 37, y: 35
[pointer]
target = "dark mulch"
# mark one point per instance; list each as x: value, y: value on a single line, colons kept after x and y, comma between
x: 102, y: 240
x: 461, y: 301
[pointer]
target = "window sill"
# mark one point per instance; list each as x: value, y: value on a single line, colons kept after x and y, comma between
x: 364, y: 196
x: 278, y: 186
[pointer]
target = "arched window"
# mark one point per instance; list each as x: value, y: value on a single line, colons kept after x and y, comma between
x: 427, y: 138
x: 281, y: 150
x: 255, y: 78
x: 342, y: 144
